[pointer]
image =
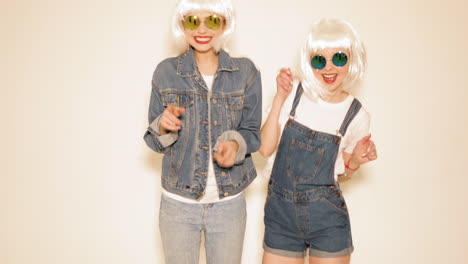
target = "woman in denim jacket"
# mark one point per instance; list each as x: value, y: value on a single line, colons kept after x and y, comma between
x: 325, y: 137
x: 205, y: 116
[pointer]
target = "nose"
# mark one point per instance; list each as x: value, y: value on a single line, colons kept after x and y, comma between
x: 202, y: 28
x: 329, y: 66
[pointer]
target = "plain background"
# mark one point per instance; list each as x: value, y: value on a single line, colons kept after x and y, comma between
x: 79, y: 186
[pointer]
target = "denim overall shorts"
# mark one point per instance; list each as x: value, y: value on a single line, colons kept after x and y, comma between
x: 305, y: 208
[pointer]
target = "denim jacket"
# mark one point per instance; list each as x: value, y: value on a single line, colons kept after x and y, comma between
x: 231, y: 110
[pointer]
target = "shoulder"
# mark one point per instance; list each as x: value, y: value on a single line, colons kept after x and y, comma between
x: 165, y: 67
x: 245, y: 64
x: 245, y: 70
x: 363, y: 115
x: 358, y: 128
x: 361, y: 122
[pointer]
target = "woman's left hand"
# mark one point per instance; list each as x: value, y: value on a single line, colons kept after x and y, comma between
x: 364, y: 151
x: 225, y: 155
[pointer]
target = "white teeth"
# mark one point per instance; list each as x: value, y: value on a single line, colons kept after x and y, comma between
x: 329, y: 76
x: 203, y: 38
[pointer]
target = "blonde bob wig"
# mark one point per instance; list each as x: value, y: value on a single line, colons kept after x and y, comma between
x: 223, y: 8
x: 331, y: 33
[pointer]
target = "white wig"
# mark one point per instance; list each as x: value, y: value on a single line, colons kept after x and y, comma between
x: 223, y: 8
x: 332, y: 33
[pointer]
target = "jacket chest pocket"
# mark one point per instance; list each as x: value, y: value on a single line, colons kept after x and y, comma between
x: 179, y: 100
x: 234, y: 106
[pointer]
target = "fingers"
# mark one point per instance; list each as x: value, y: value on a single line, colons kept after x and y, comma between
x: 284, y: 80
x: 370, y: 152
x: 222, y: 149
x: 365, y: 150
x: 284, y: 84
x: 170, y: 118
x: 362, y: 146
x: 225, y: 155
x: 219, y: 155
x: 285, y: 76
x: 285, y: 73
x: 177, y: 111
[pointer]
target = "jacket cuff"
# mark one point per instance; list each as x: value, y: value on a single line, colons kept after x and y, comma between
x: 165, y: 140
x: 236, y: 136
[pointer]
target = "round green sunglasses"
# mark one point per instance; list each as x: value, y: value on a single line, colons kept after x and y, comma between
x: 193, y: 22
x: 339, y: 59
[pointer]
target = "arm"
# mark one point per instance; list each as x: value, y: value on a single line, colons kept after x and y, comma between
x: 270, y: 131
x: 249, y: 127
x: 164, y: 122
x: 233, y: 145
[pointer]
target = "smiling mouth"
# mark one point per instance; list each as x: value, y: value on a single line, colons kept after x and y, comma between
x: 203, y: 40
x: 329, y: 78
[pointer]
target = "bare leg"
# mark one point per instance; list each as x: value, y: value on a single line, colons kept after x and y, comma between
x: 269, y: 258
x: 338, y: 260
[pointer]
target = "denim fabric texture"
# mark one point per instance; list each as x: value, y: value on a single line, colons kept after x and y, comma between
x: 233, y: 104
x: 305, y: 208
x: 181, y: 226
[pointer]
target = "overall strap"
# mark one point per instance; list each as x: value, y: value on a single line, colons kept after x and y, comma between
x: 352, y: 112
x: 297, y: 97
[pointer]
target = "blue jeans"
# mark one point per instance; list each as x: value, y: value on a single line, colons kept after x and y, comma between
x: 223, y: 223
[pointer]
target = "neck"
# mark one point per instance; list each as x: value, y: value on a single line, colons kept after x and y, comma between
x: 334, y: 97
x: 207, y: 62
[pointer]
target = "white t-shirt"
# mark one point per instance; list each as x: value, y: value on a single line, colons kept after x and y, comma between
x: 211, y: 192
x: 326, y: 117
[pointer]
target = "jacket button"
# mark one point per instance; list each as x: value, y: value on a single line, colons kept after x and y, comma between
x: 226, y: 194
x: 223, y: 173
x: 215, y: 123
x: 337, y: 195
x: 215, y: 101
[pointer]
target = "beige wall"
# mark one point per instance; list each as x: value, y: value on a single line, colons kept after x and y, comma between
x: 78, y: 185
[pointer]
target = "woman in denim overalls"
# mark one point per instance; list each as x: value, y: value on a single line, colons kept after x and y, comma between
x: 325, y: 137
x: 205, y: 116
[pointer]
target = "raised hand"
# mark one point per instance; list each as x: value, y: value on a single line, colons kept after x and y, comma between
x: 364, y: 151
x: 284, y: 83
x: 170, y: 119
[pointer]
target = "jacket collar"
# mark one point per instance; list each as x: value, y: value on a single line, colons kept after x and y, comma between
x: 186, y: 65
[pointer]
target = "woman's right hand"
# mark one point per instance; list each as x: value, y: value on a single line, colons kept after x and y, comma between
x: 284, y: 83
x: 170, y: 119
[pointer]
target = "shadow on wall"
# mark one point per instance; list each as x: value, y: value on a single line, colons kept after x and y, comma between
x: 357, y: 179
x: 153, y: 163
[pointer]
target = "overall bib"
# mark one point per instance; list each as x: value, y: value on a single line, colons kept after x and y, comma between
x: 305, y: 207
